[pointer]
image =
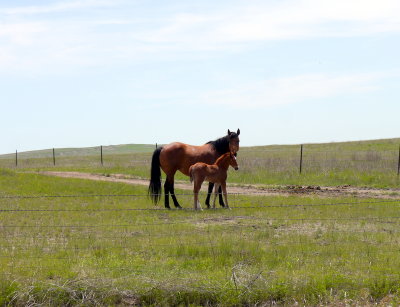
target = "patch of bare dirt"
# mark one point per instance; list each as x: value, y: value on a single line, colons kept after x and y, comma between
x: 346, y: 190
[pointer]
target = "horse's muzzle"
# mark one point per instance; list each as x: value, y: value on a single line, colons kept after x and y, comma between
x: 236, y: 168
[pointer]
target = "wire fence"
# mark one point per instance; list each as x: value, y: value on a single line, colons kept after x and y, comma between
x: 377, y: 202
x: 33, y: 238
x: 12, y: 209
x: 297, y: 159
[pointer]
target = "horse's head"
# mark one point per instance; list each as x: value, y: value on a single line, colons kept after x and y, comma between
x: 234, y: 141
x: 233, y: 161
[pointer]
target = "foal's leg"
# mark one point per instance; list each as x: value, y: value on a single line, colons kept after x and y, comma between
x: 217, y: 186
x: 196, y: 189
x: 196, y: 198
x: 198, y: 205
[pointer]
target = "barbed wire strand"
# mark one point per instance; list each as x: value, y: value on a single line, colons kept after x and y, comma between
x: 23, y: 247
x: 192, y: 209
x: 267, y: 219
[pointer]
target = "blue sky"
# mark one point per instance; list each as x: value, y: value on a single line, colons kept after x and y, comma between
x: 101, y: 72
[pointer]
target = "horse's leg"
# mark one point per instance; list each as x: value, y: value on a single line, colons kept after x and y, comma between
x: 166, y: 194
x: 221, y: 201
x: 223, y: 185
x: 170, y: 180
x: 174, y: 197
x: 210, y: 190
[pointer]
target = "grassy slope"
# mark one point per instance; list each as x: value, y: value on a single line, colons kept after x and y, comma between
x: 85, y: 151
x: 97, y: 250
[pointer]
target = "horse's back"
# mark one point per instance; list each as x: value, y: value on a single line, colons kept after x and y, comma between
x: 179, y: 156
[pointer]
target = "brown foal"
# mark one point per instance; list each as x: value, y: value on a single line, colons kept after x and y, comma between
x: 215, y: 173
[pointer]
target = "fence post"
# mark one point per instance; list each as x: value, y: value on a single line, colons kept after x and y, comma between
x: 156, y: 145
x: 16, y: 158
x: 398, y: 164
x: 301, y: 157
x: 101, y: 154
x: 54, y: 157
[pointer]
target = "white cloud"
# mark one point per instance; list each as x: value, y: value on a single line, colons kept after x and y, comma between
x: 63, y: 42
x: 55, y: 7
x: 291, y: 90
x: 22, y: 33
x: 287, y: 20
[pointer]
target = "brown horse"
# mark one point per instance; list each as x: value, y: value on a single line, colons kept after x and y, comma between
x: 215, y: 173
x: 178, y: 156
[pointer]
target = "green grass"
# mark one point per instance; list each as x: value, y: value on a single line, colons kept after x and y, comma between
x: 98, y: 250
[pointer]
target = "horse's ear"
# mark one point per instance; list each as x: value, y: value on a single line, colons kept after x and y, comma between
x: 238, y: 132
x: 229, y: 132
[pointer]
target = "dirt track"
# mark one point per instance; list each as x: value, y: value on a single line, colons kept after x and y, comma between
x: 249, y: 189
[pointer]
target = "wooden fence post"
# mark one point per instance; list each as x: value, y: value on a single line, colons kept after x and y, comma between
x: 54, y: 157
x: 16, y: 158
x: 101, y: 154
x: 301, y: 157
x: 398, y: 164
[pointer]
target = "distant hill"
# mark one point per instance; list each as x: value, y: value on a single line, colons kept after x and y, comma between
x: 373, y: 145
x: 84, y: 151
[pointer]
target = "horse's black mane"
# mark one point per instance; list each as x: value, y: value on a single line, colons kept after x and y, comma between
x: 221, y: 145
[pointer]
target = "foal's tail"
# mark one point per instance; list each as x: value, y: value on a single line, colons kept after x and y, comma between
x: 155, y: 177
x: 190, y: 174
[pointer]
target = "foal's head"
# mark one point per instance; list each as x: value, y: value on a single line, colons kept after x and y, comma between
x: 233, y: 161
x: 227, y: 159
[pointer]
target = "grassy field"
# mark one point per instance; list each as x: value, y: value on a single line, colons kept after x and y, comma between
x: 366, y: 163
x: 78, y: 242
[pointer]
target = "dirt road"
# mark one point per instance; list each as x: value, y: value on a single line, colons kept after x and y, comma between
x: 248, y: 189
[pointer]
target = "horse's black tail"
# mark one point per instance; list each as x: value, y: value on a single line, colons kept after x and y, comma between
x: 155, y: 177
